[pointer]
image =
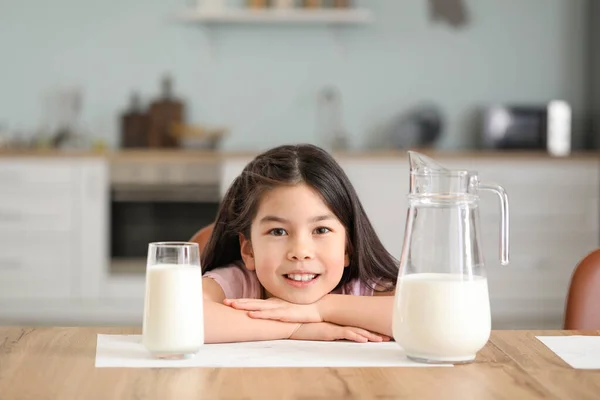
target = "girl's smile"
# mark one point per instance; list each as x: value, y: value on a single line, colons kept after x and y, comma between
x: 301, y: 279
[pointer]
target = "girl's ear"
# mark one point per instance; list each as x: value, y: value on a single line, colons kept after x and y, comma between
x: 247, y: 253
x: 346, y: 260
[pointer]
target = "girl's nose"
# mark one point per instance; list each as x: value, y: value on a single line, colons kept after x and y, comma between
x: 300, y: 250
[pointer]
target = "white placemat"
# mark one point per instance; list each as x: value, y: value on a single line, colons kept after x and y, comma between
x: 580, y: 352
x: 127, y: 351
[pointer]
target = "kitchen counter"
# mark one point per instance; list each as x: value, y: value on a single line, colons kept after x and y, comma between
x: 169, y: 155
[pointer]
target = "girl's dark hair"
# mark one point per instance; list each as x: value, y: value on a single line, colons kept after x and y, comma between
x: 291, y: 165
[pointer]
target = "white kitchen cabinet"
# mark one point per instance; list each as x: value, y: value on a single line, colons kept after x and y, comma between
x: 554, y: 222
x: 382, y: 185
x: 52, y: 226
x: 36, y: 266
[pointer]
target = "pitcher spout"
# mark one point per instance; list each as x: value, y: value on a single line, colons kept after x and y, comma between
x: 420, y: 164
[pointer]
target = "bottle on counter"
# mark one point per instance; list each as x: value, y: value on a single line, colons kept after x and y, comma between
x: 329, y: 117
x: 71, y: 133
x: 4, y: 138
x: 134, y: 125
x: 163, y: 114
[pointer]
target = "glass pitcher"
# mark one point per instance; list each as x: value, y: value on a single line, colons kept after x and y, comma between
x: 442, y: 306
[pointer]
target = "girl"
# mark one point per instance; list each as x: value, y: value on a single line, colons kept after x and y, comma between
x: 294, y: 256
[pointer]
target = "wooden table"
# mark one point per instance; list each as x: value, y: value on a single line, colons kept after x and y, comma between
x: 58, y: 363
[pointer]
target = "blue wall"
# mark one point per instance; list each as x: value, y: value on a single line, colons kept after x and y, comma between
x: 263, y: 81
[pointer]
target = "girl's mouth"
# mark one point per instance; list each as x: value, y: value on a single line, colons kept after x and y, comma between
x: 301, y: 277
x: 301, y: 280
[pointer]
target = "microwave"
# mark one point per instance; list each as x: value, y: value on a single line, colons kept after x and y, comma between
x: 528, y: 127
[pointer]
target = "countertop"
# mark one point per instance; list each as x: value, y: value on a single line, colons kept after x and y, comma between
x: 183, y: 155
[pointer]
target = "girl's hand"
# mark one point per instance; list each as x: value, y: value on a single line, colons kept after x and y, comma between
x: 277, y: 309
x: 324, y: 331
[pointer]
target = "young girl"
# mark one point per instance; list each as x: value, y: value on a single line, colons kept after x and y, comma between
x: 294, y: 256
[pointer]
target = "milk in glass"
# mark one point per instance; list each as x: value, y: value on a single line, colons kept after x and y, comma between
x: 173, y: 325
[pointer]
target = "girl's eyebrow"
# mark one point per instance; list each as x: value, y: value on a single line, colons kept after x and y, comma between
x: 273, y: 218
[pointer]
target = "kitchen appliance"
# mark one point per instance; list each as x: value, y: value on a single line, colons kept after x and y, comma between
x: 452, y: 12
x: 528, y: 127
x: 420, y: 127
x: 157, y: 201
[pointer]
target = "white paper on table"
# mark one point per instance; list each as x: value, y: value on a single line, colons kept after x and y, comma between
x: 580, y: 352
x: 127, y: 351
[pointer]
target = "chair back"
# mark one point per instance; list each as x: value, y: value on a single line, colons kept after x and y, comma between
x: 201, y: 237
x: 582, y: 309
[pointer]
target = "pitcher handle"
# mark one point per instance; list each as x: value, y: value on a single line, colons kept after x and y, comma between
x: 499, y: 190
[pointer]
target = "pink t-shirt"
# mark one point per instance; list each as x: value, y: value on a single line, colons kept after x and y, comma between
x: 238, y: 282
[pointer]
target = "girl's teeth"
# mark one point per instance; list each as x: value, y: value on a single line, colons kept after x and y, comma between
x: 301, y: 277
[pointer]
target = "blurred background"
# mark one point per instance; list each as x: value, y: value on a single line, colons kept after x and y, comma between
x: 124, y: 122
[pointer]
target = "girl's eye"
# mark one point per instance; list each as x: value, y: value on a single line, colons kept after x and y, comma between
x: 278, y: 232
x: 322, y: 230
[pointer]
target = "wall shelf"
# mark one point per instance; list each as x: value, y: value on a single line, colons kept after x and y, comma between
x: 331, y: 18
x: 276, y: 16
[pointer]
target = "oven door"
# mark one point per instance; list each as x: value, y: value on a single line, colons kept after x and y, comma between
x: 141, y: 214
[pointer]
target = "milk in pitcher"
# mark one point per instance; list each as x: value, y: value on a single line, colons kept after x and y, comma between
x: 173, y: 316
x: 442, y: 317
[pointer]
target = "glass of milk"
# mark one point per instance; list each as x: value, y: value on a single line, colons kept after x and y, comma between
x: 442, y: 307
x: 173, y: 325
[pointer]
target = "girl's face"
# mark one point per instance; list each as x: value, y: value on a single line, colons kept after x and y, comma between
x: 297, y: 246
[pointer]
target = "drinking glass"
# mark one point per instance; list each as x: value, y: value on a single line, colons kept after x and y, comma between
x: 173, y: 326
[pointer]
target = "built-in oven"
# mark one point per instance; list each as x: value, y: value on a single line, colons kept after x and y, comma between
x: 160, y: 207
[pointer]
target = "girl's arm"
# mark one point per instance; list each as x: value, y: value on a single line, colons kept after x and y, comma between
x: 373, y: 313
x: 224, y: 324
